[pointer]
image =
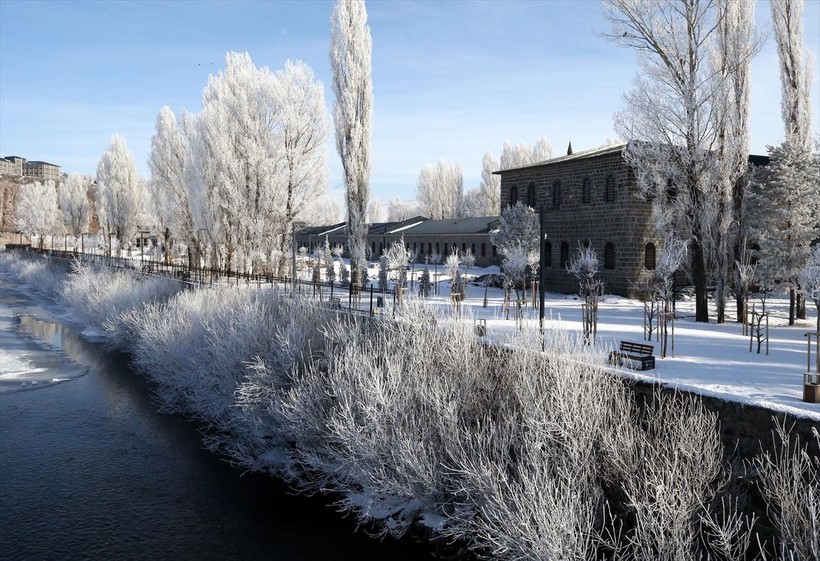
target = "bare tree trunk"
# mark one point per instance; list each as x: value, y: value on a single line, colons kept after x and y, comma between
x: 791, y: 306
x: 699, y: 278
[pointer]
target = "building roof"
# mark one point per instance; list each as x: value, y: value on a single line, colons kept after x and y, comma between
x: 41, y: 163
x: 475, y: 225
x: 600, y: 151
x: 416, y: 226
x: 321, y: 230
x: 754, y: 159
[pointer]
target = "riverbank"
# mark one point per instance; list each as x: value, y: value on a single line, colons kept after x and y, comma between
x: 91, y: 470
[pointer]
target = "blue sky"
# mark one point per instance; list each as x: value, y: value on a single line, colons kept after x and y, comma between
x: 451, y: 79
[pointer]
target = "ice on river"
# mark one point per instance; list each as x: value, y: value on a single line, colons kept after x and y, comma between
x: 32, y: 350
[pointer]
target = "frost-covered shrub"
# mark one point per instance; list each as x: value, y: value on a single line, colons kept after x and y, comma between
x: 103, y: 295
x: 197, y: 347
x: 39, y: 272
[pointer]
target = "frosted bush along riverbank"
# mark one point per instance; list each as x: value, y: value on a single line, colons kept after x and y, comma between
x: 514, y: 452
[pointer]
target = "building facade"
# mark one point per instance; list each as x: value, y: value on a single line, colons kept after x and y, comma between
x: 588, y: 198
x: 16, y: 166
x: 422, y: 236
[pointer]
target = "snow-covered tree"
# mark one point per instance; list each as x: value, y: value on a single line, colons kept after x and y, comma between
x: 518, y: 228
x: 399, y: 210
x: 795, y: 71
x: 350, y: 59
x: 491, y: 185
x: 440, y: 190
x: 485, y: 200
x: 118, y: 192
x: 782, y: 209
x: 169, y: 160
x: 396, y: 258
x: 374, y: 211
x: 324, y: 211
x: 301, y: 126
x: 261, y: 155
x: 36, y: 209
x: 473, y: 203
x: 795, y: 77
x: 736, y: 45
x: 514, y: 155
x: 670, y: 115
x: 75, y: 208
x: 584, y: 265
x: 809, y: 281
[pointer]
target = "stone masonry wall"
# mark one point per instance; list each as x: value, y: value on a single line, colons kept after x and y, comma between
x: 624, y: 222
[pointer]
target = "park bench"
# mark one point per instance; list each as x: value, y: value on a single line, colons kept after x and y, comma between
x: 635, y: 355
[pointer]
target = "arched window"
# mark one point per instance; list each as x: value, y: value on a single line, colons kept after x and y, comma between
x: 438, y: 248
x: 609, y: 256
x: 446, y: 253
x: 556, y: 193
x: 531, y: 195
x: 483, y: 250
x: 610, y: 193
x: 649, y: 256
x: 564, y: 254
x: 421, y: 249
x: 495, y: 251
x: 472, y: 249
x: 463, y: 248
x: 381, y: 248
x: 547, y: 254
x: 429, y: 248
x: 373, y: 248
x: 586, y: 191
x: 513, y: 195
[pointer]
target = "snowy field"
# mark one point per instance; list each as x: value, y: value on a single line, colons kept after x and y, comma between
x: 711, y: 359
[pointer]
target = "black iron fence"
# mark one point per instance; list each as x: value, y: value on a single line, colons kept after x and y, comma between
x: 369, y: 299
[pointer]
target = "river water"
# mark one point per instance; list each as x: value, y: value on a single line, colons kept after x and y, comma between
x: 90, y: 470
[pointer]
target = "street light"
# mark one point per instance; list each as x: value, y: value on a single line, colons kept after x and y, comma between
x: 142, y: 247
x: 203, y: 232
x: 110, y: 251
x: 542, y: 269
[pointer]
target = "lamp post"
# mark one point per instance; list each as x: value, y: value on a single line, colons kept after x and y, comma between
x: 110, y: 251
x: 542, y: 269
x: 202, y: 233
x: 142, y: 247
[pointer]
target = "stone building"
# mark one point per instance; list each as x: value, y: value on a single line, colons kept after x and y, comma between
x: 420, y: 234
x: 588, y: 198
x: 16, y: 166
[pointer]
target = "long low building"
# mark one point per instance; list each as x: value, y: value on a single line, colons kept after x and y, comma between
x: 422, y: 236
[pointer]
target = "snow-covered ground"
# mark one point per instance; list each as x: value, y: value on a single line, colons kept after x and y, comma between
x: 711, y: 359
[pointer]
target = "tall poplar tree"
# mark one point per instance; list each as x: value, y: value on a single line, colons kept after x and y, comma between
x: 118, y: 193
x: 350, y: 59
x: 795, y: 76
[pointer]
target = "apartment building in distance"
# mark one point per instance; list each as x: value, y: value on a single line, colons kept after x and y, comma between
x: 16, y: 166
